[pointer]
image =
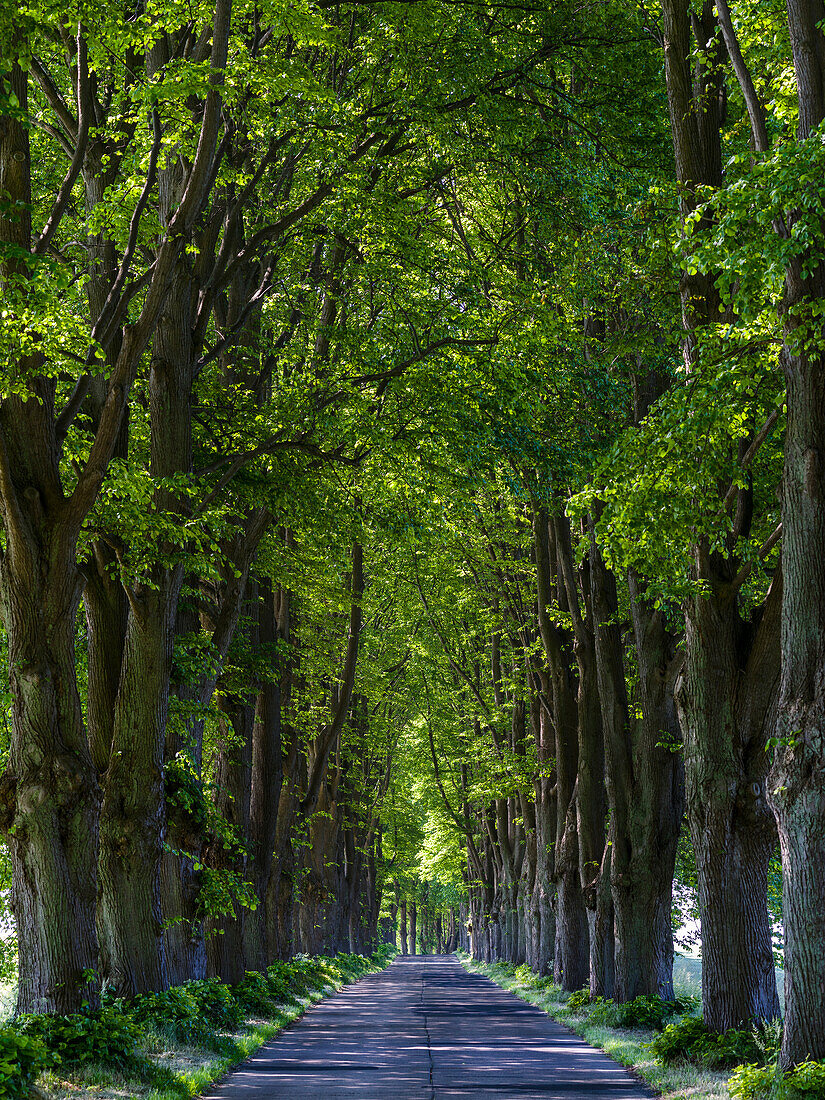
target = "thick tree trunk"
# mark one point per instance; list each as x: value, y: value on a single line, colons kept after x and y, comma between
x: 545, y: 814
x: 643, y: 860
x: 280, y: 892
x: 571, y: 947
x: 267, y: 771
x: 413, y: 911
x: 797, y: 781
x: 645, y: 789
x: 402, y: 916
x: 225, y: 934
x: 134, y: 814
x: 572, y: 953
x: 590, y: 793
x: 728, y: 686
x: 727, y: 703
x: 49, y: 797
x: 133, y: 817
x: 50, y: 794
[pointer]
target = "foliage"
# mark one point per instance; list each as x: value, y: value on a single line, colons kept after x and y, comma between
x: 22, y: 1057
x: 579, y: 1000
x: 258, y: 992
x: 178, y: 1012
x: 753, y: 1082
x: 648, y: 1011
x: 692, y: 1040
x: 109, y: 1035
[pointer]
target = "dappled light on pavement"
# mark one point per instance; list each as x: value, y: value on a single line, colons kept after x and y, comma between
x: 426, y: 1028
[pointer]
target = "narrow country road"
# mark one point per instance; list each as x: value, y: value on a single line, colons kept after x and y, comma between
x: 425, y: 1028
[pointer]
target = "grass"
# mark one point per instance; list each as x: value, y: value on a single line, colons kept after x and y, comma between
x: 167, y: 1070
x: 629, y: 1048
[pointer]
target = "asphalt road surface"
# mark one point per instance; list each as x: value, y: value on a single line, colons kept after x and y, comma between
x: 425, y: 1028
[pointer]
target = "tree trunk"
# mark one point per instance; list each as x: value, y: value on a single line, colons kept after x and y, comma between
x: 50, y: 794
x: 133, y: 817
x: 589, y: 796
x: 645, y: 789
x: 727, y: 703
x: 402, y: 916
x: 267, y: 770
x: 796, y: 781
x: 644, y: 858
x: 225, y: 933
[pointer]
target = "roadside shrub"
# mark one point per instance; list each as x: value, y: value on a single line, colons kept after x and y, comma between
x: 352, y: 966
x: 109, y: 1036
x: 175, y: 1012
x: 283, y: 982
x: 806, y: 1082
x: 530, y: 979
x: 22, y: 1057
x: 579, y: 1001
x: 752, y: 1082
x: 692, y: 1040
x: 256, y: 992
x: 649, y: 1011
x: 218, y: 1003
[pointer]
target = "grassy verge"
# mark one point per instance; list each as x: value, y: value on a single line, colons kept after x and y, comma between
x: 175, y: 1061
x: 629, y: 1047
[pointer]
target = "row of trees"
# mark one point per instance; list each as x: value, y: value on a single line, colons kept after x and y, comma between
x: 398, y: 492
x: 237, y: 293
x: 627, y: 631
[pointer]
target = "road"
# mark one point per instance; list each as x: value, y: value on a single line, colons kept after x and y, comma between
x: 425, y: 1028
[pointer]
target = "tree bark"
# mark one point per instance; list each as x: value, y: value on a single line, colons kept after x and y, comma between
x: 233, y: 780
x: 796, y: 781
x: 727, y: 705
x: 267, y: 770
x: 50, y: 795
x: 643, y: 867
x: 402, y: 917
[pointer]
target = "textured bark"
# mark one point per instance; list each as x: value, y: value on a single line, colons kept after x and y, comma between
x: 727, y: 690
x: 233, y: 781
x: 267, y: 773
x: 320, y: 903
x: 644, y: 786
x: 797, y: 781
x: 402, y: 916
x: 280, y: 893
x: 133, y: 816
x: 133, y: 819
x: 569, y: 926
x: 545, y: 815
x: 643, y: 866
x: 727, y: 706
x: 590, y: 796
x: 413, y: 914
x: 50, y: 794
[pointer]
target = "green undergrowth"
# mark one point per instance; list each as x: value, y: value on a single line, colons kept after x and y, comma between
x: 626, y: 1032
x: 170, y: 1045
